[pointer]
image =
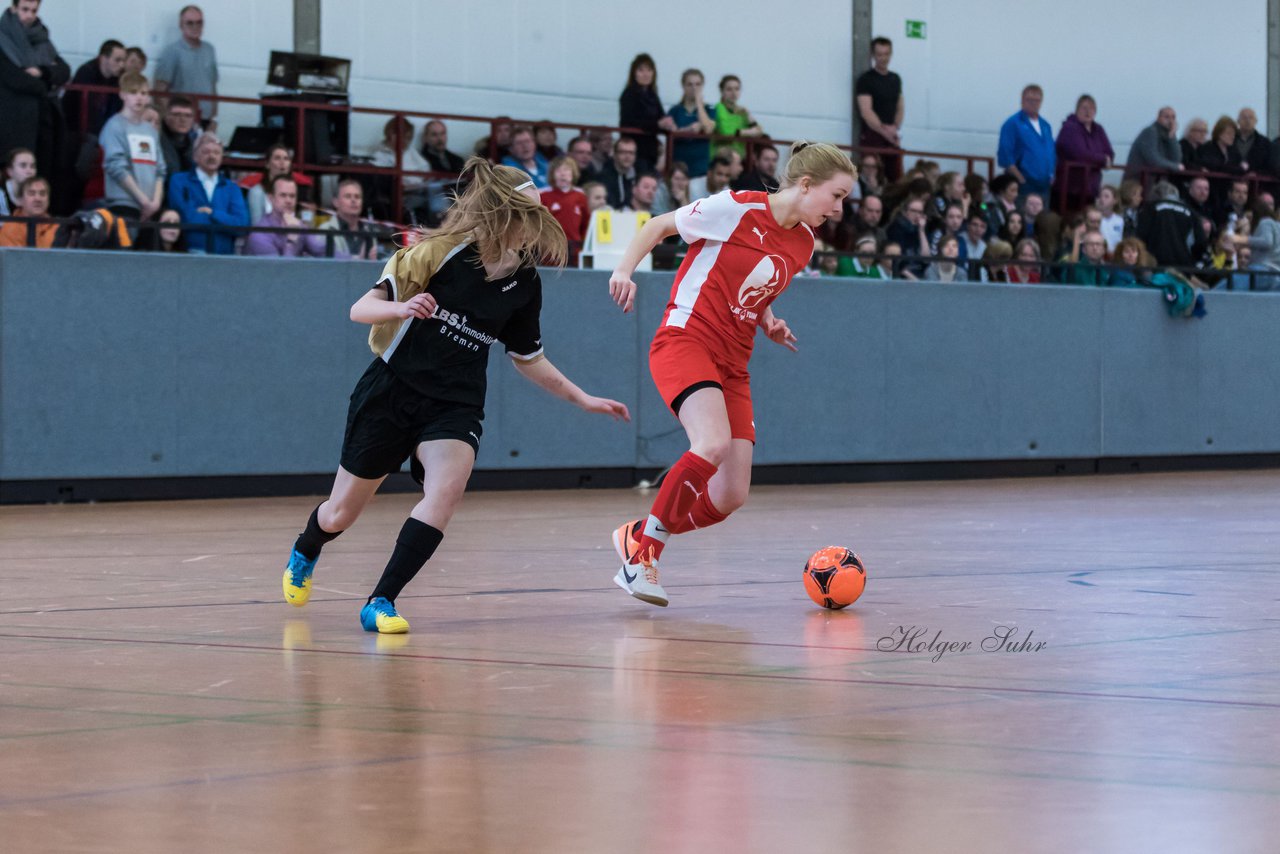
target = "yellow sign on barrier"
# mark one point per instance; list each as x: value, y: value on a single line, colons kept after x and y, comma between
x: 609, y: 234
x: 604, y: 226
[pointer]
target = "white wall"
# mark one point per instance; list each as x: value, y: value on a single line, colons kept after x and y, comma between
x: 244, y: 34
x: 531, y: 59
x: 568, y: 59
x: 961, y: 82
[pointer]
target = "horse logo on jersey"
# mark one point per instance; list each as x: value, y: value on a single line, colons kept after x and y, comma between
x: 768, y: 277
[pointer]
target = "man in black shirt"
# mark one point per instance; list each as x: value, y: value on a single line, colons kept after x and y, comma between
x: 102, y: 70
x: 1198, y: 203
x: 869, y: 219
x: 619, y: 174
x: 178, y: 135
x: 1254, y: 148
x: 1169, y: 228
x: 435, y: 148
x: 763, y: 176
x: 1235, y: 205
x: 879, y: 96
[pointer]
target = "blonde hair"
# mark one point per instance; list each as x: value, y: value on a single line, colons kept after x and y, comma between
x: 817, y: 161
x: 564, y: 160
x: 1130, y: 191
x: 998, y: 250
x: 132, y: 81
x: 493, y: 213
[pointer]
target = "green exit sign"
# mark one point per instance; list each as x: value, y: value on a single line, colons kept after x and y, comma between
x: 915, y: 29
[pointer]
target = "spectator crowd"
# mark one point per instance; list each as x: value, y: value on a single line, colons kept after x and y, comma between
x: 138, y: 167
x: 114, y: 168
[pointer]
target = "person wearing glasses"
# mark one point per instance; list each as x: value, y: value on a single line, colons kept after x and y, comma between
x: 178, y: 135
x: 907, y: 230
x: 191, y: 65
x: 1026, y: 148
x: 1088, y: 254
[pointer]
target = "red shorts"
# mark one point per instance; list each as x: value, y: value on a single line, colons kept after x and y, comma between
x: 680, y: 363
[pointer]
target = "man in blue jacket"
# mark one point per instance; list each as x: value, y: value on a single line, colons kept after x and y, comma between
x: 204, y: 195
x: 1026, y: 145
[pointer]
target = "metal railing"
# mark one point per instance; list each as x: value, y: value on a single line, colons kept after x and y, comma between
x: 898, y: 266
x: 381, y: 231
x: 1151, y: 174
x: 299, y: 143
x: 1058, y: 272
x: 752, y: 143
x: 398, y: 171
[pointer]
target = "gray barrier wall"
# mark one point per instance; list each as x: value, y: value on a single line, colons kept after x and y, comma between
x: 120, y: 365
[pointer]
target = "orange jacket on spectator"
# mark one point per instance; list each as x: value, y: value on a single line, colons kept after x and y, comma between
x: 15, y: 234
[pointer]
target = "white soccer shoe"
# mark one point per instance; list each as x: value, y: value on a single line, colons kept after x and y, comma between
x: 641, y: 581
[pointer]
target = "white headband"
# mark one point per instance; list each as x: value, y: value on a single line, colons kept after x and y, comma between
x: 526, y: 185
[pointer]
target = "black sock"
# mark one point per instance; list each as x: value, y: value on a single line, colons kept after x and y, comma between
x: 414, y: 547
x: 314, y: 537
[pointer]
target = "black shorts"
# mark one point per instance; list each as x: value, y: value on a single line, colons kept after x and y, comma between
x: 388, y: 419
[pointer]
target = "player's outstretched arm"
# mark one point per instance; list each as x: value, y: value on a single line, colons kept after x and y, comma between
x: 656, y: 230
x: 547, y: 376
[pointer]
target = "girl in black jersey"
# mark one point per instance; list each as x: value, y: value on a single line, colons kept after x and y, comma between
x: 435, y: 312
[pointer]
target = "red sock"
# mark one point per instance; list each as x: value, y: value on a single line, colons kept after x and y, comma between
x: 681, y: 489
x: 704, y: 514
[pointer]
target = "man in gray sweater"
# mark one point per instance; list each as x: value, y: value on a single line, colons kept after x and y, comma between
x: 191, y: 65
x: 1156, y: 147
x: 131, y: 156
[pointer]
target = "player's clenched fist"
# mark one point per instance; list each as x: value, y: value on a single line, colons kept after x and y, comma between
x: 422, y: 306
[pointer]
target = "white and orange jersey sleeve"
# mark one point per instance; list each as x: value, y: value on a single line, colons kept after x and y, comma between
x: 713, y: 218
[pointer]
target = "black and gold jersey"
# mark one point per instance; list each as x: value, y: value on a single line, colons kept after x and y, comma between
x: 444, y: 357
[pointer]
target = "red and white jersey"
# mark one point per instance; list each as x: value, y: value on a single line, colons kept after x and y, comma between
x: 739, y: 260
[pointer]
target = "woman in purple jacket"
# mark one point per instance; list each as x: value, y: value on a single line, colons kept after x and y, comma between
x: 1083, y: 152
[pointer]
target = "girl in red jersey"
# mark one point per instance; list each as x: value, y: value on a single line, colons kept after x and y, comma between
x: 744, y: 249
x: 567, y: 204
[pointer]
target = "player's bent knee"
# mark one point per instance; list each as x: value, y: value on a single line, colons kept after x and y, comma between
x: 445, y: 495
x: 337, y: 517
x: 714, y: 450
x: 732, y: 500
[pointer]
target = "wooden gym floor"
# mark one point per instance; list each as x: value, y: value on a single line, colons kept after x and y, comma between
x: 156, y: 694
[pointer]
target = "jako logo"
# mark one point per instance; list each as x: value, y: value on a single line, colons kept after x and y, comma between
x: 769, y: 277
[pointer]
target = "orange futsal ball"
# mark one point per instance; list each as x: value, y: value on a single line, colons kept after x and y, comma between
x: 834, y: 577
